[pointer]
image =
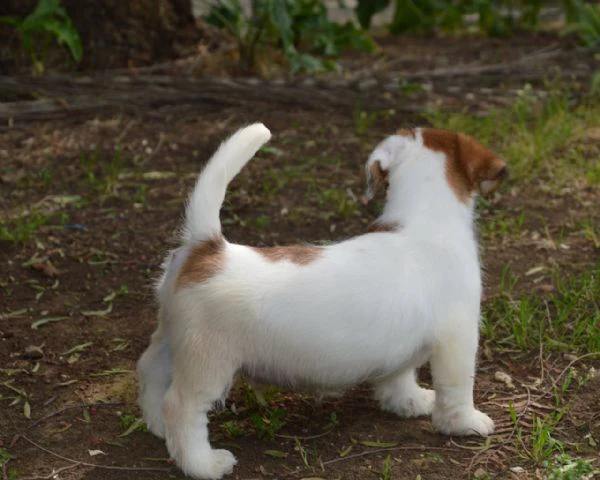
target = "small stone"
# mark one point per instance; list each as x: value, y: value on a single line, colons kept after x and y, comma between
x: 480, y: 473
x: 504, y: 378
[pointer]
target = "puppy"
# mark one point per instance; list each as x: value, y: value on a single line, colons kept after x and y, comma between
x: 373, y: 308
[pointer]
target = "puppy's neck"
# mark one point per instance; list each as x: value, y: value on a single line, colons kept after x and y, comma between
x: 420, y: 199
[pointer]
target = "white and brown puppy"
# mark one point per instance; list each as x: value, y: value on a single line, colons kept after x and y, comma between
x: 373, y: 308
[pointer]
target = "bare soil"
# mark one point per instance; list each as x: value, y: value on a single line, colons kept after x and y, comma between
x: 91, y: 266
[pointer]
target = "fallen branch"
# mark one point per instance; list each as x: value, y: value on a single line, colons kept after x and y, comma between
x: 95, y: 465
x: 71, y: 407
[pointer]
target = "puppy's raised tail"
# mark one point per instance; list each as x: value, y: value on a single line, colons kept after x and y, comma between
x: 204, y: 204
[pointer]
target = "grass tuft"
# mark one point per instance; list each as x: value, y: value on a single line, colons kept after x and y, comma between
x: 564, y: 321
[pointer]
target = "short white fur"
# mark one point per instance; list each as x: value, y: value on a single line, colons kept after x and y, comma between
x: 373, y: 308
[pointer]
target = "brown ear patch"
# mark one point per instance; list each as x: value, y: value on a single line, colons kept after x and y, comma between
x: 298, y: 254
x: 406, y: 132
x: 469, y: 165
x: 377, y: 177
x: 203, y: 262
x: 383, y: 227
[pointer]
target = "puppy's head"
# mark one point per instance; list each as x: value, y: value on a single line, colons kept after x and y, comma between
x: 469, y: 166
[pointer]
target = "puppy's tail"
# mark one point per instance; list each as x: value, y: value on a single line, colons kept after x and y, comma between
x: 202, y: 212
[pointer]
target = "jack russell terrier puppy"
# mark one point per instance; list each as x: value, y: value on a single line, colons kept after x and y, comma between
x: 372, y: 308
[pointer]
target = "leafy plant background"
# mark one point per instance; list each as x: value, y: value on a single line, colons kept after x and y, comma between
x: 48, y: 21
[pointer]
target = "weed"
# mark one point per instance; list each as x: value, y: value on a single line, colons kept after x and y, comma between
x: 104, y: 176
x: 363, y: 121
x: 501, y: 227
x: 301, y: 28
x: 43, y: 177
x: 48, y: 20
x: 584, y: 20
x: 22, y: 229
x: 565, y: 320
x: 262, y: 221
x: 337, y: 200
x: 564, y: 467
x: 131, y: 424
x: 494, y: 17
x: 5, y: 457
x: 269, y: 424
x: 302, y: 451
x: 386, y: 474
x: 232, y: 428
x: 591, y: 231
x: 255, y: 399
x: 543, y: 444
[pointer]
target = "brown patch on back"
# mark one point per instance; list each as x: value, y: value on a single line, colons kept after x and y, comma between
x: 298, y: 254
x: 468, y: 163
x: 203, y: 262
x: 383, y: 227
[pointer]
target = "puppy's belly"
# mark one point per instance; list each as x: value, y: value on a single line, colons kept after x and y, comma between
x: 316, y: 373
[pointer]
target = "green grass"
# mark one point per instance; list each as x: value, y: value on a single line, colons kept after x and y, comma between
x: 500, y: 227
x: 5, y: 457
x: 565, y: 467
x: 566, y: 320
x: 544, y: 136
x: 22, y: 229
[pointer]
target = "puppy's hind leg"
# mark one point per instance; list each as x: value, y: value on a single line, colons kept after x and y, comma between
x: 453, y: 372
x: 154, y: 376
x: 202, y: 376
x: 402, y: 395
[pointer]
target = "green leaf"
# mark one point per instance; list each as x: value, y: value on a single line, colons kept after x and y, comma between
x: 78, y: 348
x: 367, y: 8
x: 280, y: 17
x: 346, y: 451
x: 66, y: 33
x: 43, y: 321
x: 409, y: 16
x: 276, y: 453
x: 112, y: 371
x: 138, y: 424
x: 98, y: 313
x: 374, y: 444
x: 9, y: 20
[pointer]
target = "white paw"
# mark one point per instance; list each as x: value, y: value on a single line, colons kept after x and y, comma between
x: 152, y: 413
x: 417, y: 403
x: 463, y: 422
x: 155, y: 425
x: 212, y: 466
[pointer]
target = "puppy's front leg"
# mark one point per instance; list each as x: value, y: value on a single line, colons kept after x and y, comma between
x: 453, y: 371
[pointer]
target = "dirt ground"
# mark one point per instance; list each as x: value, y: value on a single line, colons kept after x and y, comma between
x: 96, y: 202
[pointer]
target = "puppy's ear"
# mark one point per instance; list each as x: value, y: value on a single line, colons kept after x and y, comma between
x: 376, y: 178
x: 379, y: 164
x: 485, y: 170
x: 469, y: 165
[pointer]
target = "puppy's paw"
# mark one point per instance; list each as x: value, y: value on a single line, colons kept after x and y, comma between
x: 414, y: 404
x: 155, y: 425
x: 152, y: 414
x: 463, y: 422
x: 210, y: 466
